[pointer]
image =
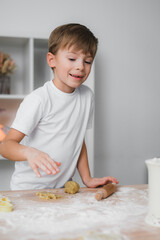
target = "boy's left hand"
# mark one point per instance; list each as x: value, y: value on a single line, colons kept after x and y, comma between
x: 95, y: 182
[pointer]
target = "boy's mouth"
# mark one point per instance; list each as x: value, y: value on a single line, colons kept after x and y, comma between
x: 76, y: 76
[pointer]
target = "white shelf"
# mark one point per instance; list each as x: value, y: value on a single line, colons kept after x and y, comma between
x: 42, y: 71
x: 32, y: 71
x: 11, y: 96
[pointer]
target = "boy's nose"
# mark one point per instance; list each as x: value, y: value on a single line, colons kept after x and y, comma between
x: 80, y: 65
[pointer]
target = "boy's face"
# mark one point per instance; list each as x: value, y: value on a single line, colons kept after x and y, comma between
x: 71, y: 68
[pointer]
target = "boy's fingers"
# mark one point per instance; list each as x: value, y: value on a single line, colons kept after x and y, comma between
x: 49, y: 166
x: 111, y: 179
x: 54, y: 165
x: 114, y: 180
x: 43, y: 167
x: 56, y: 168
x: 36, y: 171
x: 58, y: 163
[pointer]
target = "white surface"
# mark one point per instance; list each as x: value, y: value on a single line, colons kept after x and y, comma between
x: 127, y: 72
x: 78, y: 216
x: 153, y: 216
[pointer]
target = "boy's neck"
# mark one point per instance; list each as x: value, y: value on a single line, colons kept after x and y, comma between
x: 64, y: 88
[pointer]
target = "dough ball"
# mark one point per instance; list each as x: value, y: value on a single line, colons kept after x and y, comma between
x: 5, y: 205
x: 71, y: 187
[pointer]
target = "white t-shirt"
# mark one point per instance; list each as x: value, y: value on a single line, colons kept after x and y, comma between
x: 53, y: 122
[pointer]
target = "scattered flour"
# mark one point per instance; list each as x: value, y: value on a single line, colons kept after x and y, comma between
x: 81, y: 217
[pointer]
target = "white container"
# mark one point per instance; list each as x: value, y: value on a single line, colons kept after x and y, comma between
x: 153, y: 216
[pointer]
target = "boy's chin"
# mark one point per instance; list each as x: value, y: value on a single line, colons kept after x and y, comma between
x: 76, y: 84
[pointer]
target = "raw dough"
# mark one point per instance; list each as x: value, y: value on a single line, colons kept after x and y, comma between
x: 71, y: 187
x: 5, y: 205
x: 47, y: 195
x: 102, y: 236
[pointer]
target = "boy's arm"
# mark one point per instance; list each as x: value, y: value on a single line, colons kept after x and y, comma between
x: 83, y: 168
x: 11, y: 149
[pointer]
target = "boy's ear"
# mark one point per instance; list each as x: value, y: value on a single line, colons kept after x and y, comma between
x: 51, y: 59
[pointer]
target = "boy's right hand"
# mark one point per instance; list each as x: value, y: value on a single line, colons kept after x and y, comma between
x: 11, y: 149
x: 38, y: 159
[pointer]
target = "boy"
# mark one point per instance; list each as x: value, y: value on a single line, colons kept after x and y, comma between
x: 46, y: 138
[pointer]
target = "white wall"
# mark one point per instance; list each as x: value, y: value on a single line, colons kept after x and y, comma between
x: 127, y: 73
x: 127, y: 126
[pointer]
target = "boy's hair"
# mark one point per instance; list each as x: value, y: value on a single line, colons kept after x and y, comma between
x: 75, y: 35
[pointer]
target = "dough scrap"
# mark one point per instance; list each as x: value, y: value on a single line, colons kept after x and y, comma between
x: 103, y: 236
x: 47, y: 195
x: 71, y: 187
x: 5, y: 205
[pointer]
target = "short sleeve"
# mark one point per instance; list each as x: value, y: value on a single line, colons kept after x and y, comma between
x: 28, y: 114
x: 91, y: 114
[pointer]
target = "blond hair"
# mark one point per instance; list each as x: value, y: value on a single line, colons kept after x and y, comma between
x: 75, y: 35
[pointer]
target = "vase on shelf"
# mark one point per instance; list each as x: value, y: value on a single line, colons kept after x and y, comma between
x: 4, y: 84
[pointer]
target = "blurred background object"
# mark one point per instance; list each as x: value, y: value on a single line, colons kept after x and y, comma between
x: 3, y: 132
x: 7, y: 66
x: 3, y: 129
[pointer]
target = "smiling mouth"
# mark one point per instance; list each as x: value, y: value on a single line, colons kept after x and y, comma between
x: 76, y: 76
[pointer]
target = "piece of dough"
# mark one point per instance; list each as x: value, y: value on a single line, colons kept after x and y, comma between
x: 103, y: 236
x: 5, y: 199
x: 47, y: 195
x: 71, y: 187
x: 5, y: 205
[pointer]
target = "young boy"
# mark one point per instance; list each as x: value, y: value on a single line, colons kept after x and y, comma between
x: 46, y: 138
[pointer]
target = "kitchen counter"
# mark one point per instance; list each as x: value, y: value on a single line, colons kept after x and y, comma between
x: 121, y: 216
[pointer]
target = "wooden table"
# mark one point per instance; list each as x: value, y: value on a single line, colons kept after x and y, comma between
x: 80, y: 216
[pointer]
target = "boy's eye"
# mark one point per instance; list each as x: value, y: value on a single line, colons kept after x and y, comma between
x: 71, y: 59
x: 88, y: 62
